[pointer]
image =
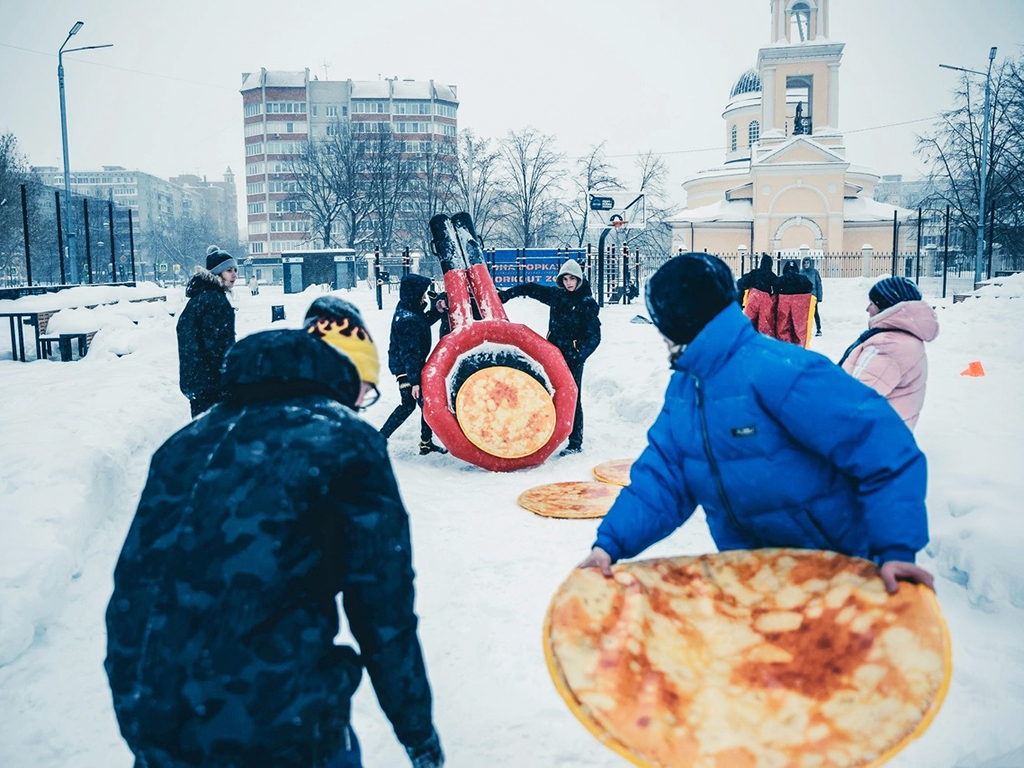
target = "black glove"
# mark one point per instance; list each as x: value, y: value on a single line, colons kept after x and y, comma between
x: 428, y: 754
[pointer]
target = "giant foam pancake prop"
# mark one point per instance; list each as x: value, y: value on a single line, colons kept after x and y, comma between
x: 578, y: 498
x: 494, y: 392
x: 759, y: 658
x: 615, y: 471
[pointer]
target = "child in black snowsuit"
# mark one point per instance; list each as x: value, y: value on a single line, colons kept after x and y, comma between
x: 407, y: 354
x: 573, y: 327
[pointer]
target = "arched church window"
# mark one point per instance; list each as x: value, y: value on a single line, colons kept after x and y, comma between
x: 799, y: 22
x: 753, y: 132
x: 732, y: 143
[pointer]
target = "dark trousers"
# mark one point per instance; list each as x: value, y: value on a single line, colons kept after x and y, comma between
x: 576, y: 436
x: 403, y: 412
x: 817, y: 320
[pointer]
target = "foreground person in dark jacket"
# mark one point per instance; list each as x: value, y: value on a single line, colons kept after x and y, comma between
x: 573, y: 327
x: 206, y: 330
x: 407, y: 354
x: 737, y: 413
x: 220, y: 627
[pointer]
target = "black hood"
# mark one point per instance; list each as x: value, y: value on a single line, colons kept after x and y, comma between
x: 410, y: 292
x: 766, y: 262
x: 204, y: 280
x: 288, y: 364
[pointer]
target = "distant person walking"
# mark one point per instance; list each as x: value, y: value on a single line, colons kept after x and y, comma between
x: 407, y: 354
x: 756, y: 293
x: 807, y: 270
x: 573, y: 327
x: 890, y: 355
x: 254, y: 286
x: 206, y: 330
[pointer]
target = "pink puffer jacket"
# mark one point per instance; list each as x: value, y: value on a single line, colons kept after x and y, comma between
x: 894, y: 363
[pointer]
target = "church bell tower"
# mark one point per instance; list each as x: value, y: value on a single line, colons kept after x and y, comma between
x: 800, y: 75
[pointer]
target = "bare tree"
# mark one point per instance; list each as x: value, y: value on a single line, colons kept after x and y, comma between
x: 478, y: 183
x: 13, y: 173
x: 954, y: 150
x: 432, y: 188
x: 530, y: 164
x: 656, y: 237
x: 314, y: 171
x: 389, y: 177
x: 593, y: 172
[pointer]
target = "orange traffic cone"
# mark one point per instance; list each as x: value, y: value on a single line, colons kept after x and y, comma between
x: 973, y: 369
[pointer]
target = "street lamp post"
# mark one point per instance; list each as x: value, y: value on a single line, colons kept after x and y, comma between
x: 979, y: 257
x: 64, y: 138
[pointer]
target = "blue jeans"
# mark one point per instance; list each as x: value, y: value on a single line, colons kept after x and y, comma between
x: 350, y: 756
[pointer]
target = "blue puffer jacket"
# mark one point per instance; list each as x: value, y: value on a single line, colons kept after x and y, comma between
x: 780, y: 448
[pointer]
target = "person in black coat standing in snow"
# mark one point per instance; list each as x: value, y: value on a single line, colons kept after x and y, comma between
x: 573, y: 327
x: 206, y: 330
x: 807, y: 270
x: 221, y: 628
x: 407, y: 353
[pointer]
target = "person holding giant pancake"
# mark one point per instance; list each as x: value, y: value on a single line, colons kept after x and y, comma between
x: 795, y: 644
x: 735, y: 437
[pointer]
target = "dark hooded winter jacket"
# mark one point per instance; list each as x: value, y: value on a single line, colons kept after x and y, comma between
x: 762, y: 278
x: 410, y: 330
x: 206, y: 331
x: 220, y: 628
x: 573, y: 323
x: 792, y: 282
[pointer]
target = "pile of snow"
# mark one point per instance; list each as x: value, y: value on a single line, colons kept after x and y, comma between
x: 76, y: 441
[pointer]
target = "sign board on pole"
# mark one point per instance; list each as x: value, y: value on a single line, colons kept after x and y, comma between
x: 607, y: 207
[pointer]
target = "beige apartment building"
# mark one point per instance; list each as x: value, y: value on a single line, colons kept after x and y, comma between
x: 787, y: 183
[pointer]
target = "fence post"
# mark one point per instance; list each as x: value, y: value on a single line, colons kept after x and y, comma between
x: 945, y: 255
x: 113, y: 254
x: 895, y: 241
x: 866, y: 252
x: 377, y: 279
x: 60, y: 238
x: 24, y: 229
x: 131, y: 241
x: 88, y: 242
x: 918, y: 280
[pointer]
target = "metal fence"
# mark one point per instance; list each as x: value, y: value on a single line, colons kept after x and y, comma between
x: 40, y: 254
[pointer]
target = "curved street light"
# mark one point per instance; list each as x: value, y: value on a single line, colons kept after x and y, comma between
x: 979, y: 258
x: 64, y: 137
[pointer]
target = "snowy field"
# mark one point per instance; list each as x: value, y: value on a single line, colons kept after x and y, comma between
x: 75, y: 443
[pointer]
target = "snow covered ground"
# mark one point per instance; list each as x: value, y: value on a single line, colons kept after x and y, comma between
x: 76, y: 438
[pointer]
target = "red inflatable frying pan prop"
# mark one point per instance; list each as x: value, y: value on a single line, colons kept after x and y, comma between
x: 495, y: 393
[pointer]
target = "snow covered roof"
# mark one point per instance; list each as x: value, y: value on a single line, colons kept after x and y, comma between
x: 866, y: 209
x: 723, y: 210
x: 274, y: 78
x: 748, y: 82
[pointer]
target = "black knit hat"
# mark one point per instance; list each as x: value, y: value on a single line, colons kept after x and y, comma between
x: 217, y: 260
x: 890, y: 291
x: 687, y: 292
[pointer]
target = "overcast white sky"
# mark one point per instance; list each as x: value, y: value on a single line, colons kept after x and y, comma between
x: 642, y: 74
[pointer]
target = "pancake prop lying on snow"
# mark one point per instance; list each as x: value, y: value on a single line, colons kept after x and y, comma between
x: 748, y: 658
x: 576, y: 499
x: 615, y: 471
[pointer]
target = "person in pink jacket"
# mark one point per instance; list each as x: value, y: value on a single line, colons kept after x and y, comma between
x: 889, y: 356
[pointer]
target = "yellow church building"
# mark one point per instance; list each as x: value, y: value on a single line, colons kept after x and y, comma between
x: 786, y: 185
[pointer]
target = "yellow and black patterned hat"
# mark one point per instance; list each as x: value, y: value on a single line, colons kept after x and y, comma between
x: 339, y: 323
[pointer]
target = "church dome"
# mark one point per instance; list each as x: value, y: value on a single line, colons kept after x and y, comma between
x: 748, y: 82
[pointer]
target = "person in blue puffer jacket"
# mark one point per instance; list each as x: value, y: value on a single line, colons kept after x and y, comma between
x: 735, y: 419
